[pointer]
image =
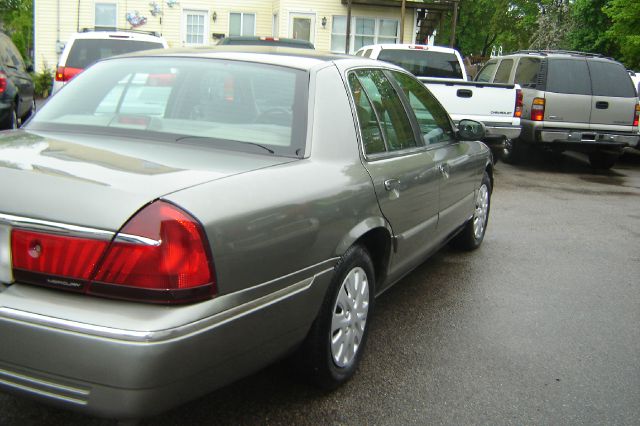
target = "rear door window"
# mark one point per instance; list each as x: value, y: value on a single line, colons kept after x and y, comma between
x: 387, y: 107
x: 434, y: 123
x: 487, y: 71
x: 527, y: 72
x: 424, y: 63
x: 85, y: 52
x: 570, y: 76
x: 504, y: 71
x: 610, y: 79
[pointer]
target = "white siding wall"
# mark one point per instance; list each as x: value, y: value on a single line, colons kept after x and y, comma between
x: 48, y: 13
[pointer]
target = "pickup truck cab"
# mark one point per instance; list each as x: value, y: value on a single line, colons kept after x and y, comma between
x: 441, y: 69
x: 572, y: 101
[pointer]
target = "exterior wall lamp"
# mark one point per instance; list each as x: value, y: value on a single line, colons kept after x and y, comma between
x: 214, y: 17
x: 324, y: 22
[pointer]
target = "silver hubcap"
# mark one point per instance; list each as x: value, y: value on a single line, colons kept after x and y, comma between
x: 482, y: 211
x: 349, y: 317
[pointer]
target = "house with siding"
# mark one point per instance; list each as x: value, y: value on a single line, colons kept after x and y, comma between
x: 204, y: 22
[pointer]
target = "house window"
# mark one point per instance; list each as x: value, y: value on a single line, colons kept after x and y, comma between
x: 242, y: 24
x: 364, y: 31
x: 105, y: 15
x: 195, y: 27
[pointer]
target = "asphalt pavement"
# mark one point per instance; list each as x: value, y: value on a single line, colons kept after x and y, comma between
x: 538, y: 326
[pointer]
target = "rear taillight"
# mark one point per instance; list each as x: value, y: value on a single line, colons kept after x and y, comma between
x: 3, y: 82
x: 65, y: 74
x: 161, y: 256
x: 55, y: 260
x: 518, y: 110
x: 636, y: 117
x: 537, y: 109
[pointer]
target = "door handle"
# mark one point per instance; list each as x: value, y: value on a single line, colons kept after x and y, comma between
x: 464, y: 93
x: 444, y: 169
x: 391, y: 184
x: 602, y: 105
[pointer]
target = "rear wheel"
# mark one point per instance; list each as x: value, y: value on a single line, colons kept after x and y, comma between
x: 602, y: 160
x: 334, y: 346
x: 472, y: 235
x: 511, y: 151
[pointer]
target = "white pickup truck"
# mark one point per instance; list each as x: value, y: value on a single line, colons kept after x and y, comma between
x: 497, y: 106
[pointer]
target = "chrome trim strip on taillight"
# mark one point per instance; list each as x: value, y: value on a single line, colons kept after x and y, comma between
x: 55, y: 227
x: 136, y: 239
x: 6, y: 273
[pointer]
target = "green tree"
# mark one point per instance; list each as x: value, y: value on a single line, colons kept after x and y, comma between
x: 16, y: 19
x: 625, y: 29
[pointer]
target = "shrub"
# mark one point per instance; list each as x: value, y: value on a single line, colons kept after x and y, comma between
x: 43, y: 81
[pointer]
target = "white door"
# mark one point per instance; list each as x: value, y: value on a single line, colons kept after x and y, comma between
x: 302, y: 26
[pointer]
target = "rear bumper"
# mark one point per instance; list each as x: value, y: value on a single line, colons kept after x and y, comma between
x: 502, y: 132
x: 588, y: 137
x: 136, y: 373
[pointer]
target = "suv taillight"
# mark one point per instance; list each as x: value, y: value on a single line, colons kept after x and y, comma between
x: 537, y: 109
x: 636, y: 117
x: 519, y: 103
x: 160, y: 256
x: 65, y: 74
x: 3, y: 82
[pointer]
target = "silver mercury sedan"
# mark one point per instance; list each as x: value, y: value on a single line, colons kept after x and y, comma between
x: 174, y: 220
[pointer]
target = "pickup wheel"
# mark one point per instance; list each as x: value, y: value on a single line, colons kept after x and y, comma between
x: 602, y: 160
x: 471, y: 236
x: 511, y: 151
x: 333, y: 348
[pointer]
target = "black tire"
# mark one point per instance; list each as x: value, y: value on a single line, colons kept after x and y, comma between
x: 468, y: 238
x: 316, y: 357
x: 602, y: 160
x: 12, y: 120
x: 511, y: 151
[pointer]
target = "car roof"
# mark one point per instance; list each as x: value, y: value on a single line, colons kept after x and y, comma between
x: 272, y: 40
x: 304, y: 59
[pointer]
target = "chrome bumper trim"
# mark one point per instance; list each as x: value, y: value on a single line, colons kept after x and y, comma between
x: 55, y: 227
x: 507, y: 132
x: 46, y: 388
x: 161, y: 336
x: 587, y: 137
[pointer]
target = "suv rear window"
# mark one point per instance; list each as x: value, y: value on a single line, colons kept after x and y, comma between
x: 85, y: 52
x: 527, y: 72
x: 569, y: 76
x: 424, y: 63
x: 504, y: 71
x: 610, y: 79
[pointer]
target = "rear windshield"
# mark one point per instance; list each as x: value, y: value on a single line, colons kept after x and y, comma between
x: 85, y: 52
x: 570, y: 76
x: 424, y: 63
x: 610, y: 79
x: 226, y: 104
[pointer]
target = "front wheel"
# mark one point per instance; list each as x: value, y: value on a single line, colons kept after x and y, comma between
x: 334, y: 346
x: 473, y: 232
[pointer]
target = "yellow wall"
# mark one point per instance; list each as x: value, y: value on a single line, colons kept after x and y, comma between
x: 48, y: 13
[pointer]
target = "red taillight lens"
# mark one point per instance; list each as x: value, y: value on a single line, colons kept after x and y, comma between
x: 162, y: 250
x: 537, y: 109
x: 161, y: 255
x: 60, y: 256
x: 636, y: 117
x: 3, y: 82
x: 519, y: 103
x: 65, y: 74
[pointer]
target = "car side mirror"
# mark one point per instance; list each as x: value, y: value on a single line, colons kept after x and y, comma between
x: 470, y: 130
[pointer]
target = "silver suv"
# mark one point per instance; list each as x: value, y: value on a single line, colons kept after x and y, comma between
x: 572, y: 101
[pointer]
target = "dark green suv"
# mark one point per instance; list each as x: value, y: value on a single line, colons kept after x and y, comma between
x: 17, y: 101
x: 572, y: 101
